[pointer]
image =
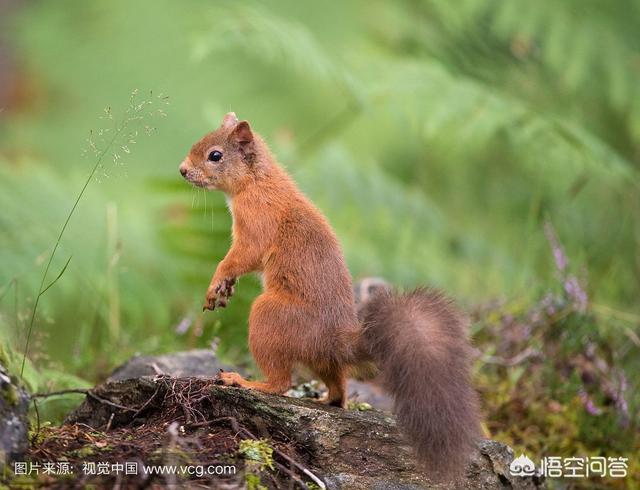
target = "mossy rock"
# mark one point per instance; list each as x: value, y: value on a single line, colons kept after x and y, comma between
x: 347, y: 449
x: 14, y: 427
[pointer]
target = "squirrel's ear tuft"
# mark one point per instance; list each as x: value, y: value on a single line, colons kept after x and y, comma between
x: 242, y: 133
x: 229, y: 120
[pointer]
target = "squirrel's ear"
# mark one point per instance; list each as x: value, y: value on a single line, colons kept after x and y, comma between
x: 229, y: 120
x: 242, y: 133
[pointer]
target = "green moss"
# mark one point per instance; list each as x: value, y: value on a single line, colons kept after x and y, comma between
x: 21, y: 481
x: 253, y: 482
x: 4, y: 358
x: 360, y: 406
x: 258, y: 456
x: 38, y: 437
x: 257, y: 453
x: 10, y: 395
x: 85, y: 451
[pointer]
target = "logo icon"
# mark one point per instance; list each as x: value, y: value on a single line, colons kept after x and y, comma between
x: 522, y: 466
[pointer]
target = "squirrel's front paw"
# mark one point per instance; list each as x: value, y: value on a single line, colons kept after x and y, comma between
x: 219, y: 293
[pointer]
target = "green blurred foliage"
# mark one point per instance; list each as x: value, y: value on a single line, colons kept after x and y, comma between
x: 438, y: 137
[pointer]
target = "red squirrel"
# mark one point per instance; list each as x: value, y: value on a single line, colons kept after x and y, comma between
x: 306, y: 314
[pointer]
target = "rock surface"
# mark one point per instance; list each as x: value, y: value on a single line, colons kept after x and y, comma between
x: 203, y: 362
x: 14, y: 427
x: 347, y: 449
x: 197, y: 362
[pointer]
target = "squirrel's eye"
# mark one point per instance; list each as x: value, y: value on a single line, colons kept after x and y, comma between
x: 215, y: 156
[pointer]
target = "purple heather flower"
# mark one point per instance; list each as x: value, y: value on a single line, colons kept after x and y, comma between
x: 556, y: 248
x: 183, y: 326
x: 588, y: 404
x: 621, y: 401
x: 576, y: 293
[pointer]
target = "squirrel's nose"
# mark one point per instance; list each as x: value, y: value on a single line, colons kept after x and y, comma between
x: 183, y: 170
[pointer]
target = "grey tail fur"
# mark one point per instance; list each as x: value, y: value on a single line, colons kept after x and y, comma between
x: 419, y: 342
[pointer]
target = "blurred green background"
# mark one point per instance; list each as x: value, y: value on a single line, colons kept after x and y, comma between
x: 440, y: 138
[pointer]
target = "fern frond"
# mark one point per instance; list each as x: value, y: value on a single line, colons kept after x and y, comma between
x: 576, y: 40
x: 268, y: 38
x: 467, y: 113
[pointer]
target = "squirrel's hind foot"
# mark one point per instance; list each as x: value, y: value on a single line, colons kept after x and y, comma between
x: 335, y: 402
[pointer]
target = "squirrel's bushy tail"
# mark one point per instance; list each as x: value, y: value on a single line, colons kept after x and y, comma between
x: 419, y: 342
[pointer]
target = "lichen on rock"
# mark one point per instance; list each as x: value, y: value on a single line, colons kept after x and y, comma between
x: 14, y: 427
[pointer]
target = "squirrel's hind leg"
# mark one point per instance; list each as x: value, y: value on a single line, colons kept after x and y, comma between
x: 275, y: 366
x: 336, y: 381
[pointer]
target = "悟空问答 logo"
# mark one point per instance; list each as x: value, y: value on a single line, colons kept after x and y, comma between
x: 522, y: 466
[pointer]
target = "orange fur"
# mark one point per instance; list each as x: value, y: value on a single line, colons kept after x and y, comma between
x: 306, y: 313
